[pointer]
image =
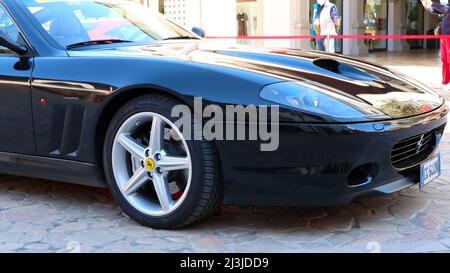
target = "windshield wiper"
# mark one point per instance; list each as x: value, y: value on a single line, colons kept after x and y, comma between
x: 97, y: 42
x: 181, y: 37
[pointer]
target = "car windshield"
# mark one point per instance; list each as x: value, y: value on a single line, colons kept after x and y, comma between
x: 77, y: 23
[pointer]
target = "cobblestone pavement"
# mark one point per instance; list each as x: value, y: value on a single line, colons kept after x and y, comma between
x: 41, y: 216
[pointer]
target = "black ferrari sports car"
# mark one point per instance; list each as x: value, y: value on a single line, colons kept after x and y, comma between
x: 87, y: 90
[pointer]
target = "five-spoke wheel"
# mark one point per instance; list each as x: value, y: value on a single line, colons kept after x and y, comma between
x: 159, y: 178
x: 153, y: 164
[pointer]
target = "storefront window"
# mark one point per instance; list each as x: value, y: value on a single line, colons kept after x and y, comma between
x: 414, y: 21
x: 339, y: 6
x: 376, y: 22
x: 248, y: 21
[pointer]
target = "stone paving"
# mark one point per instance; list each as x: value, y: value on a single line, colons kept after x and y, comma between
x: 41, y: 216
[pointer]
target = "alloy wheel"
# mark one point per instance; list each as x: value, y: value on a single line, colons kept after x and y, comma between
x: 151, y: 164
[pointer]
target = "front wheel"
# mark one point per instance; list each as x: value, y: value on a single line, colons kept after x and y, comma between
x: 159, y: 178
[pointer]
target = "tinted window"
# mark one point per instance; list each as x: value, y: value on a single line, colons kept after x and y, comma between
x: 69, y: 22
x: 8, y: 26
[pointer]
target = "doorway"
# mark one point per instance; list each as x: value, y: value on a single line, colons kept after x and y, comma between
x: 415, y: 22
x: 376, y: 23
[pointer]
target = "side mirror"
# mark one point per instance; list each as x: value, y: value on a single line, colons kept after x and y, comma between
x: 6, y: 41
x: 199, y: 31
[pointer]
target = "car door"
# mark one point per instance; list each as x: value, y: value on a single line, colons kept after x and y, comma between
x: 16, y: 120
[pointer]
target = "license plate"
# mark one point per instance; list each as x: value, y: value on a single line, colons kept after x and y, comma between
x: 430, y: 170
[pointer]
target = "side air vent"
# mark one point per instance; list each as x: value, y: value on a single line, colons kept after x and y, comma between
x: 66, y: 130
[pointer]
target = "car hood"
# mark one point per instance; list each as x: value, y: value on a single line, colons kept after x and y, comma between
x: 389, y: 93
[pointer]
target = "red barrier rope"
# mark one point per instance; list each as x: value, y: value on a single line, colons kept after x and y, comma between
x: 365, y: 37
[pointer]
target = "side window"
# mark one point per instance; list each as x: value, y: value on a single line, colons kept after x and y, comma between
x: 8, y: 26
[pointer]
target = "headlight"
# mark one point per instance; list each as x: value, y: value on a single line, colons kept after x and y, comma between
x: 308, y: 98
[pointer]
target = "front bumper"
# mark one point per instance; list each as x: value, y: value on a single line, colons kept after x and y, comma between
x: 315, y: 162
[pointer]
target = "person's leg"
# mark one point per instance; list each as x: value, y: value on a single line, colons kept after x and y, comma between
x: 331, y: 46
x: 445, y: 73
x: 445, y: 61
x: 320, y: 45
x: 446, y: 79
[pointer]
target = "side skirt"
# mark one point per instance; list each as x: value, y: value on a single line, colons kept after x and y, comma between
x: 52, y: 169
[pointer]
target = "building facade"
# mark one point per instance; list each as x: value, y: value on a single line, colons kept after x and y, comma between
x: 293, y: 17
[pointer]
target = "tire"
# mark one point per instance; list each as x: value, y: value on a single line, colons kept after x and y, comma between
x: 203, y: 189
